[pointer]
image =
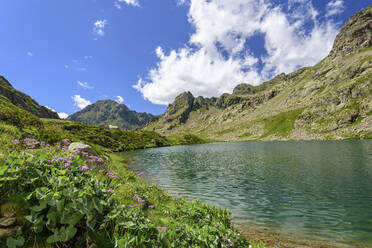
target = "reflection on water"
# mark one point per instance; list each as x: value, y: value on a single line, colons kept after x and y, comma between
x: 311, y: 189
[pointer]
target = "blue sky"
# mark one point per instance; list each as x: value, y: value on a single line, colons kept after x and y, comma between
x: 66, y: 54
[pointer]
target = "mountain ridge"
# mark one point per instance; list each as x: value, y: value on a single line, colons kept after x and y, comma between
x: 109, y: 112
x: 330, y: 100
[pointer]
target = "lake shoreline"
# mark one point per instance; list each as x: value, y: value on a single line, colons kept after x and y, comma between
x: 256, y: 235
x: 269, y: 238
x: 274, y: 239
x: 185, y: 165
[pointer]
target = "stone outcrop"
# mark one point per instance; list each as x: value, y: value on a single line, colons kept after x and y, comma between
x: 355, y: 34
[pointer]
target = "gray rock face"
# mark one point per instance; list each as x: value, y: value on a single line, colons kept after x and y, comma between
x: 180, y: 108
x: 78, y: 146
x: 355, y: 35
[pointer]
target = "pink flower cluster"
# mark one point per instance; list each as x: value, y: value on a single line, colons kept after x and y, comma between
x: 139, y: 201
x: 162, y: 228
x: 231, y: 243
x: 111, y: 175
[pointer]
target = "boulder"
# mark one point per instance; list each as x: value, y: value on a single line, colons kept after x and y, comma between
x: 81, y: 147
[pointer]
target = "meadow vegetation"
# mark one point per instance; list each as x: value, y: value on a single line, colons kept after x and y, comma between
x: 54, y: 197
x: 72, y: 199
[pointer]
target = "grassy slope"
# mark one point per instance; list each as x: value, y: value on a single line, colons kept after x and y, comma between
x: 24, y: 101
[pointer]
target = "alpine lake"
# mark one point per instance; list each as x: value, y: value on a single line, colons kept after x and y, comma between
x: 319, y: 190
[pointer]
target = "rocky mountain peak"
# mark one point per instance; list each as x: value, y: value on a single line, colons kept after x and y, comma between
x: 181, y: 107
x: 109, y: 112
x: 355, y: 35
x: 5, y: 82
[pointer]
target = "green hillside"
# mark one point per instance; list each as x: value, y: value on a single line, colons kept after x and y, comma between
x: 23, y: 101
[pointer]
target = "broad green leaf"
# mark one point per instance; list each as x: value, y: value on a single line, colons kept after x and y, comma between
x: 71, y: 218
x: 70, y: 233
x: 15, y: 242
x: 41, y: 207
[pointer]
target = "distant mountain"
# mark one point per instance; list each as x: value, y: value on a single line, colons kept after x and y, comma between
x: 331, y: 100
x: 24, y: 101
x: 108, y: 112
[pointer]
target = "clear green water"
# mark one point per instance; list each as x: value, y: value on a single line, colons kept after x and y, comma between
x: 312, y: 189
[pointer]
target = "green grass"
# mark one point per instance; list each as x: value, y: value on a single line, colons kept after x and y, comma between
x: 225, y: 131
x: 185, y: 139
x: 7, y: 134
x: 321, y: 89
x: 13, y: 115
x: 246, y: 135
x: 281, y: 124
x: 361, y: 51
x: 362, y: 61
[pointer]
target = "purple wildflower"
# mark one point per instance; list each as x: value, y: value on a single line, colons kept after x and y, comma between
x: 111, y: 191
x: 162, y: 228
x: 224, y: 239
x: 84, y: 167
x: 151, y: 206
x: 16, y: 141
x: 111, y: 175
x: 231, y: 243
x: 66, y: 141
x: 140, y: 200
x: 135, y: 196
x: 130, y: 206
x: 140, y: 174
x: 66, y: 165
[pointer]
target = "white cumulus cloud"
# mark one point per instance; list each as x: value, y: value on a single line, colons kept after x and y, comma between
x: 99, y: 27
x: 117, y: 3
x: 80, y: 102
x: 30, y: 54
x: 119, y: 99
x: 335, y: 7
x: 218, y: 55
x: 61, y: 115
x: 85, y: 85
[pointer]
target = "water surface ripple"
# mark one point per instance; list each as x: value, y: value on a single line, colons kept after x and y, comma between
x: 312, y: 189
